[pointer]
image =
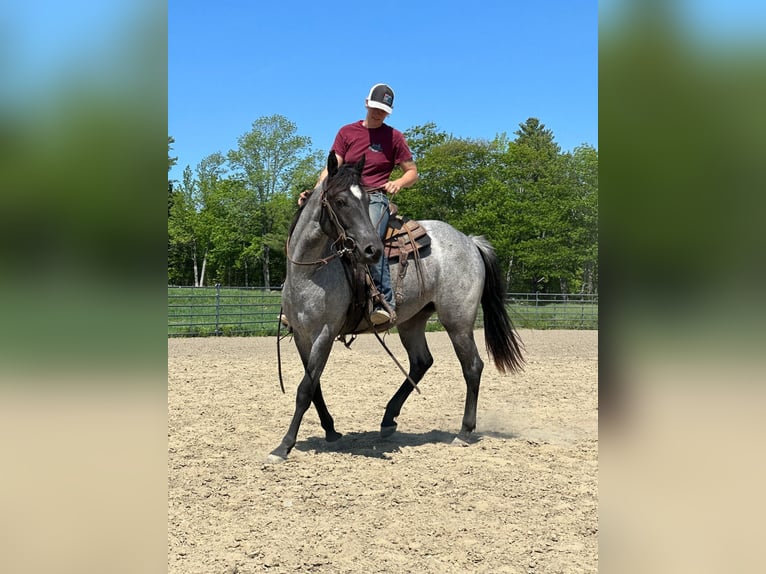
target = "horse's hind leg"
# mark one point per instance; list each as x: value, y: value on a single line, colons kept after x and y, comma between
x: 472, y: 365
x: 328, y: 424
x: 412, y: 333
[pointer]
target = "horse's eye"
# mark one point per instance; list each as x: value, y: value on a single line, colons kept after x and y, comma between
x: 341, y: 203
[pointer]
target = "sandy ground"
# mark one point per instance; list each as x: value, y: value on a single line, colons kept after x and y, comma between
x: 522, y: 498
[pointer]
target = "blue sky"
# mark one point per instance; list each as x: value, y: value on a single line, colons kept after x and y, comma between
x: 474, y: 69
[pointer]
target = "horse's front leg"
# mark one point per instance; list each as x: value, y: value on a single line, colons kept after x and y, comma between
x: 314, y: 361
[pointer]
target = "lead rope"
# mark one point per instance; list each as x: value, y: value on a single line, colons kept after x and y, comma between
x: 377, y: 335
x: 279, y: 353
x: 398, y: 364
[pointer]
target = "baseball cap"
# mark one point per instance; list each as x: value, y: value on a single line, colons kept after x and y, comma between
x: 381, y: 97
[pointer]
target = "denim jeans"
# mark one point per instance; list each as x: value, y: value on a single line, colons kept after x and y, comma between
x: 380, y: 272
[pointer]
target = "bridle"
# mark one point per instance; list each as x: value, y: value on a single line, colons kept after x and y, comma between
x: 343, y: 245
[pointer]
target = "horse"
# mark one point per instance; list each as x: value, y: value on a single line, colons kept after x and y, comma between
x: 457, y: 275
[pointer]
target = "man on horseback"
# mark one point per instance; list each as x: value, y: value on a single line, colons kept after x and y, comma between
x: 384, y: 148
x: 321, y: 292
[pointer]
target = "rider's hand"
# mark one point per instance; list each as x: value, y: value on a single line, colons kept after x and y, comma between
x: 392, y: 187
x: 304, y: 196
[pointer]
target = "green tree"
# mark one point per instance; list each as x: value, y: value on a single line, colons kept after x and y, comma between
x: 230, y: 211
x: 269, y: 159
x: 171, y: 160
x: 543, y: 204
x: 227, y: 221
x: 523, y: 171
x: 175, y: 254
x: 195, y: 214
x: 451, y: 170
x: 424, y: 137
x: 536, y: 205
x: 582, y: 181
x: 490, y: 207
x: 210, y: 175
x: 181, y: 240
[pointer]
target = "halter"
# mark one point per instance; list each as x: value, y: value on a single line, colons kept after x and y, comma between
x: 346, y: 242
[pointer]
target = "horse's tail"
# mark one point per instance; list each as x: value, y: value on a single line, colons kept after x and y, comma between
x: 503, y: 342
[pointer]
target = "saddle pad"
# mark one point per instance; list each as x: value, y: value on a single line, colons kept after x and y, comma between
x: 404, y: 235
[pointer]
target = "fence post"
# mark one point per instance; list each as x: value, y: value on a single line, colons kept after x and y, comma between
x: 217, y: 308
x: 537, y: 306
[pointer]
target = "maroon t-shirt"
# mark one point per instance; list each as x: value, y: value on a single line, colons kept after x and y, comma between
x: 384, y: 148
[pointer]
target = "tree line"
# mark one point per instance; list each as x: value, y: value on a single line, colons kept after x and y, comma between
x: 228, y: 218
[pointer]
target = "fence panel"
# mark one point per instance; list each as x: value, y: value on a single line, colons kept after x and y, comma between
x: 203, y: 311
x: 218, y: 310
x: 553, y: 310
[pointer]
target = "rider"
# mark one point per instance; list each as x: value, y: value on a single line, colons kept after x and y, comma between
x: 384, y: 147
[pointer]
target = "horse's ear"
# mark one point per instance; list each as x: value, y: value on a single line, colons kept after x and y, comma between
x: 332, y: 164
x: 359, y: 166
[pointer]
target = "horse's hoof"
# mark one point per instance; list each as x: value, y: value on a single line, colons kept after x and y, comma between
x: 457, y: 441
x: 274, y: 459
x: 332, y: 436
x: 387, y: 431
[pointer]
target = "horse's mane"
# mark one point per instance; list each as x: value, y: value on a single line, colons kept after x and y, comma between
x: 346, y: 176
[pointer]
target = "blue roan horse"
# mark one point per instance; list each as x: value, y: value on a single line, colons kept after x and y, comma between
x: 459, y: 273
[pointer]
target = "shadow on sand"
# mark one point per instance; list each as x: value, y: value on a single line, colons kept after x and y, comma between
x: 371, y: 444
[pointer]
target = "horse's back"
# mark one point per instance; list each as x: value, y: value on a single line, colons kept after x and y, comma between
x: 453, y: 272
x: 452, y: 248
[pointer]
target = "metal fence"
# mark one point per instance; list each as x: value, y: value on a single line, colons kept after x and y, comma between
x: 553, y: 310
x: 218, y: 310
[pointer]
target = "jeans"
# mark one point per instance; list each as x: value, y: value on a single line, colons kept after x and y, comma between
x: 381, y: 274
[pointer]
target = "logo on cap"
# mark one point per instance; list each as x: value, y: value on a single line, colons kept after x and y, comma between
x: 381, y: 96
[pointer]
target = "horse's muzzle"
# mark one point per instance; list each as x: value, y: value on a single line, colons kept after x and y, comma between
x: 372, y: 252
x: 367, y: 253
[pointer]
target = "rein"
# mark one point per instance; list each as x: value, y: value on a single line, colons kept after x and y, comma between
x: 348, y: 247
x: 398, y: 364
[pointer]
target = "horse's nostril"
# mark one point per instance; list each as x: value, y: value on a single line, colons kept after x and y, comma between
x: 372, y: 252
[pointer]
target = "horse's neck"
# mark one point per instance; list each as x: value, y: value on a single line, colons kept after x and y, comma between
x: 308, y: 242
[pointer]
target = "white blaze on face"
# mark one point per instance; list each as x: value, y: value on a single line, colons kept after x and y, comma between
x: 357, y: 191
